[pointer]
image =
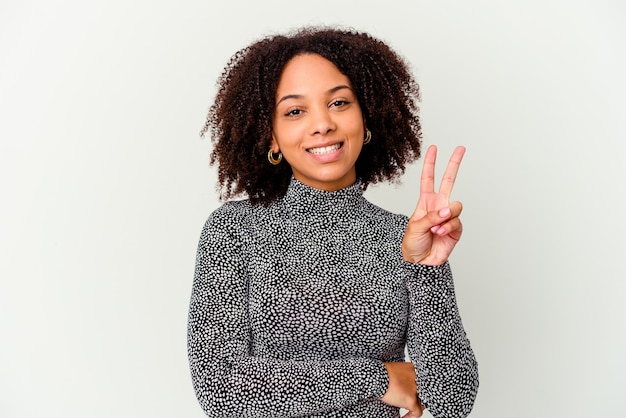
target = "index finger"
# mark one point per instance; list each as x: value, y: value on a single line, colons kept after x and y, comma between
x: 427, y: 180
x: 449, y: 176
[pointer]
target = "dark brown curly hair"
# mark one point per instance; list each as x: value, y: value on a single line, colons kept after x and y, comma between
x: 240, y: 119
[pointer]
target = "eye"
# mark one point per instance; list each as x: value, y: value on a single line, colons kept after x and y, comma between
x: 294, y: 112
x: 339, y: 103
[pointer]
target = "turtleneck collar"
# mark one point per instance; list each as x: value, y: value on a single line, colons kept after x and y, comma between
x: 306, y: 200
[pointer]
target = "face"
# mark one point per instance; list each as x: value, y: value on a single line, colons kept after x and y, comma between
x: 318, y: 124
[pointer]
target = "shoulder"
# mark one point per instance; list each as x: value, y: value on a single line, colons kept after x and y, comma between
x: 383, y: 215
x: 238, y: 216
x: 225, y: 221
x: 229, y: 212
x: 390, y: 225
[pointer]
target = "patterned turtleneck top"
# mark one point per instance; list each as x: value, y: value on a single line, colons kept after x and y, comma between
x: 295, y: 307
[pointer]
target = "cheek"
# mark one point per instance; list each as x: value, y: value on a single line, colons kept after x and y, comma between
x: 355, y: 124
x: 286, y: 134
x: 357, y: 129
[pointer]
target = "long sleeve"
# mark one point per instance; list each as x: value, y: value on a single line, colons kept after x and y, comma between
x: 229, y: 381
x: 445, y: 366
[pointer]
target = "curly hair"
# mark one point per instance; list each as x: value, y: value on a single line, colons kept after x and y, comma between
x: 240, y: 119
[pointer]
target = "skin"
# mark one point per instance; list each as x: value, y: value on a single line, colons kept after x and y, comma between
x: 434, y: 227
x: 316, y: 108
x: 318, y: 124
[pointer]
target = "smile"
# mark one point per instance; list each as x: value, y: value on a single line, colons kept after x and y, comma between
x: 325, y: 150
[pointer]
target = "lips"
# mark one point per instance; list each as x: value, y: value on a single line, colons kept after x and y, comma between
x: 325, y: 150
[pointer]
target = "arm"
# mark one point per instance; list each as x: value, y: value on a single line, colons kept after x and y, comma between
x: 229, y: 381
x: 445, y: 367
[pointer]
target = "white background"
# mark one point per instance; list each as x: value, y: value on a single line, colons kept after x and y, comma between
x: 105, y: 185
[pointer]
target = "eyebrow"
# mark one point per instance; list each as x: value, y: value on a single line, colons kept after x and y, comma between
x: 300, y: 96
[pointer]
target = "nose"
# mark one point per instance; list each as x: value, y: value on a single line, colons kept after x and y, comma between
x: 322, y: 122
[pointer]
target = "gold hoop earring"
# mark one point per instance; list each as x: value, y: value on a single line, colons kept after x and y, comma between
x: 368, y: 137
x: 274, y: 160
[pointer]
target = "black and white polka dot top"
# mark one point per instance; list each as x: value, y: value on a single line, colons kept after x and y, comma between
x: 296, y: 306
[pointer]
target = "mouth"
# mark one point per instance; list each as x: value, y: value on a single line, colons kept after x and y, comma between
x: 325, y: 150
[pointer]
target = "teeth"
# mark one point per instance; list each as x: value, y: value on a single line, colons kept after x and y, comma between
x: 324, y: 150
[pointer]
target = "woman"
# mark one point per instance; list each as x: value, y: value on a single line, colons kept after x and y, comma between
x: 305, y: 294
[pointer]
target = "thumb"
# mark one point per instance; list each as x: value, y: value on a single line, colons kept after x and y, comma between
x: 433, y: 219
x: 450, y: 213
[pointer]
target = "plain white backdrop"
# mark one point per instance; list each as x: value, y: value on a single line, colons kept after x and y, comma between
x: 105, y: 184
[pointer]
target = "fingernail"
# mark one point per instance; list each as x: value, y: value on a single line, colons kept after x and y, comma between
x: 434, y: 229
x: 444, y: 212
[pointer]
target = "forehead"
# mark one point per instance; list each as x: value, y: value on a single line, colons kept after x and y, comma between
x: 310, y: 72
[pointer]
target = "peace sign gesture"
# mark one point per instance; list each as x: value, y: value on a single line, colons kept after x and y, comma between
x: 435, y: 227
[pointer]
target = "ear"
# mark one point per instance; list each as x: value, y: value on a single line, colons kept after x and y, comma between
x: 274, y: 145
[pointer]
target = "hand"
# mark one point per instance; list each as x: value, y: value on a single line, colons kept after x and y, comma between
x: 414, y: 414
x: 402, y: 390
x: 434, y: 228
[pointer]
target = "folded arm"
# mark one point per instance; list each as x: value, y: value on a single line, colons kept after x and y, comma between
x: 228, y: 379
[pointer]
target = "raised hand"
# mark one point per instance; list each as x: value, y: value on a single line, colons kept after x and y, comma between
x: 435, y: 227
